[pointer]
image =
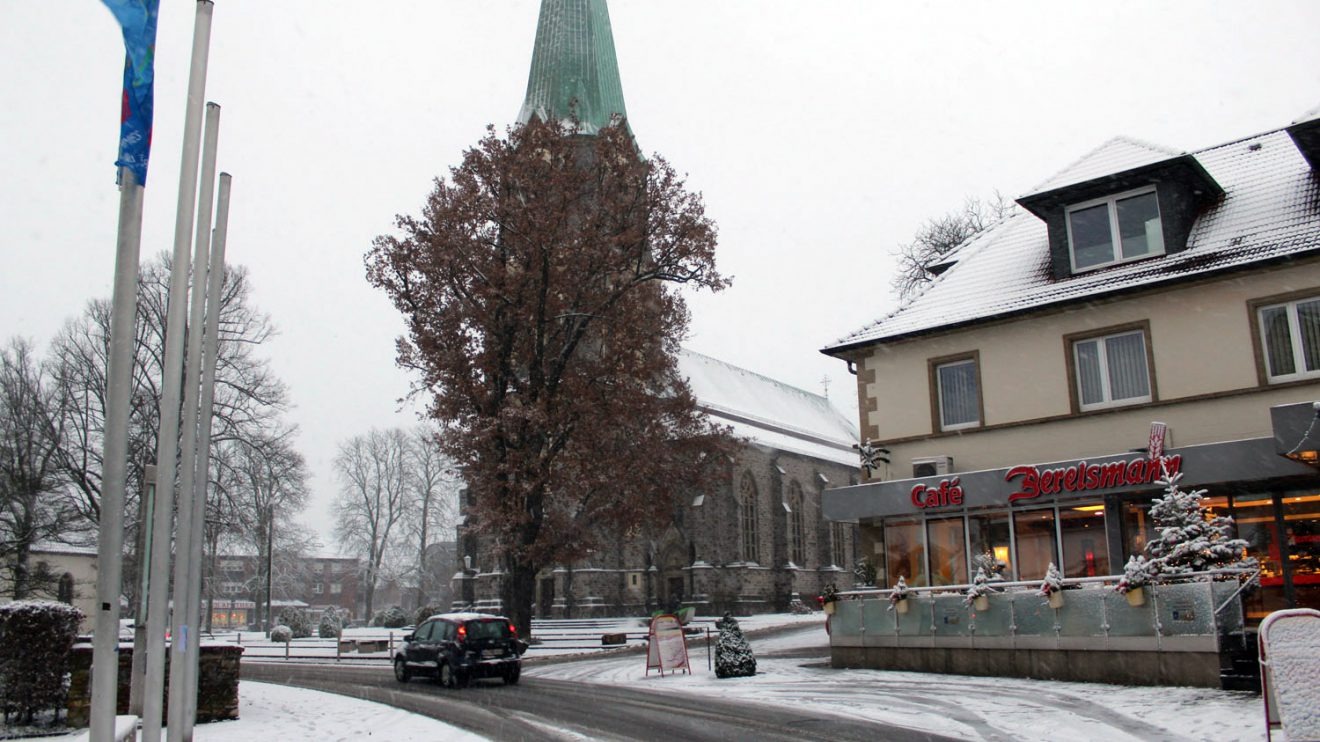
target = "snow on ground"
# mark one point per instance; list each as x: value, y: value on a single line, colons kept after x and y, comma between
x: 966, y: 707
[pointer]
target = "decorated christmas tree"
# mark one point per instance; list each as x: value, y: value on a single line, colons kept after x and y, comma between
x: 733, y: 655
x: 1187, y: 538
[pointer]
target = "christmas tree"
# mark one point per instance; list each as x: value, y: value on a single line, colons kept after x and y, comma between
x: 1187, y: 538
x: 733, y: 655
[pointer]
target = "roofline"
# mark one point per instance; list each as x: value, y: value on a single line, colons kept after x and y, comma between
x: 837, y: 351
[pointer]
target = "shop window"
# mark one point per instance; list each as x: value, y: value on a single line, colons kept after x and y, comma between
x: 1256, y: 524
x: 1301, y: 521
x: 1114, y: 230
x: 905, y: 552
x: 1290, y: 339
x: 795, y: 539
x: 1136, y: 528
x: 948, y: 551
x: 747, y: 518
x: 1036, y: 545
x: 957, y: 393
x: 1111, y: 370
x: 1085, y: 552
x: 991, y: 545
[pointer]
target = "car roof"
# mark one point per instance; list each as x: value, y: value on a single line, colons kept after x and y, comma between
x: 466, y: 617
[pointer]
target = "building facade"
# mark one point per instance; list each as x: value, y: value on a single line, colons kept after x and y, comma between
x: 753, y: 541
x: 236, y: 592
x: 1146, y: 309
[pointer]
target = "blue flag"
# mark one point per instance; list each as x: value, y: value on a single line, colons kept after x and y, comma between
x: 138, y: 19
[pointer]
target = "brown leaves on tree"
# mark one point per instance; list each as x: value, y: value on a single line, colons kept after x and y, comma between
x: 540, y: 286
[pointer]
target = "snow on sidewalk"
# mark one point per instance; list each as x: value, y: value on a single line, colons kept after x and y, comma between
x: 974, y: 708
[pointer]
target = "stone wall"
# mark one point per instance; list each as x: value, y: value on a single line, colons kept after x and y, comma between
x: 217, y: 683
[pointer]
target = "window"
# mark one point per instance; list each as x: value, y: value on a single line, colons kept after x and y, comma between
x: 1114, y: 230
x: 318, y: 588
x: 838, y: 552
x: 1290, y: 339
x: 336, y: 588
x: 1112, y: 370
x: 905, y: 552
x: 747, y: 517
x: 1036, y: 543
x: 795, y: 540
x: 957, y: 393
x: 948, y: 551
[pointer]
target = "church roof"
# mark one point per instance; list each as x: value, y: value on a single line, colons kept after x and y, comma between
x: 768, y: 412
x: 574, y: 68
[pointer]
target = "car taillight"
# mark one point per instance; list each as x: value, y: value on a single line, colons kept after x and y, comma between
x: 513, y: 629
x: 462, y: 633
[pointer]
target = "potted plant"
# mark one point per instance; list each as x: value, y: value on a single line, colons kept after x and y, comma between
x: 828, y: 596
x: 978, y: 592
x: 1138, y: 573
x: 898, y: 596
x: 1051, y: 588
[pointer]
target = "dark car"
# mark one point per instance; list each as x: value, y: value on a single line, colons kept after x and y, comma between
x: 454, y: 648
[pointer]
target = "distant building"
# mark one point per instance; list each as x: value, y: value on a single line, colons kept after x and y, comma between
x: 66, y: 574
x: 238, y: 587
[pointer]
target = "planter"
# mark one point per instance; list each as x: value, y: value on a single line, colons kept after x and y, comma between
x: 829, y: 608
x: 901, y: 605
x: 1056, y: 599
x: 1136, y: 596
x: 982, y: 603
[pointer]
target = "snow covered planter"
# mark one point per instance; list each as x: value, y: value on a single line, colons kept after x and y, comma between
x: 828, y: 596
x: 733, y: 655
x: 898, y: 598
x: 978, y: 594
x: 282, y: 634
x: 1136, y: 575
x: 35, y: 639
x: 1051, y: 587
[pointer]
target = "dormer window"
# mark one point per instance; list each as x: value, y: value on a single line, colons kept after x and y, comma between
x: 1115, y: 229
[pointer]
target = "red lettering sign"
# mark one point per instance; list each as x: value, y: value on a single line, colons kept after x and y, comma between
x: 1081, y: 477
x: 949, y: 492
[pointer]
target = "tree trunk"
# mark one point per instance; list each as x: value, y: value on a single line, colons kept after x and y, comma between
x: 517, y: 594
x: 21, y: 572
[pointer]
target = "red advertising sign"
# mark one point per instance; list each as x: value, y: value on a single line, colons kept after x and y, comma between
x: 1084, y: 477
x: 1156, y: 448
x: 666, y: 647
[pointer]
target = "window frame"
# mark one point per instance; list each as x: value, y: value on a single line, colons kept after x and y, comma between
x: 797, y: 553
x: 748, y: 514
x: 1256, y: 308
x: 1115, y: 236
x: 1070, y: 343
x: 933, y: 366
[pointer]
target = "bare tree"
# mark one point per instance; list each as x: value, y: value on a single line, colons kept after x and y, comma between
x: 433, y: 484
x: 938, y: 237
x: 33, y: 505
x: 373, y: 501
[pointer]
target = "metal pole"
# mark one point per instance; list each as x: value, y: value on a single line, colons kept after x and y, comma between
x: 138, y: 666
x: 110, y: 543
x: 214, y: 287
x: 167, y: 437
x: 270, y: 558
x: 184, y: 628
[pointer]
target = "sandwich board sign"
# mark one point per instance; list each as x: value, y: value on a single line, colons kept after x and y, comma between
x: 666, y: 646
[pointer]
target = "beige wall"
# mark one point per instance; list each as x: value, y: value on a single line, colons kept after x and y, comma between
x: 1201, y: 339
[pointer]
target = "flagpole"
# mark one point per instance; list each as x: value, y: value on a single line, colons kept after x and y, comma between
x: 183, y: 628
x: 167, y: 436
x: 214, y: 290
x: 110, y: 543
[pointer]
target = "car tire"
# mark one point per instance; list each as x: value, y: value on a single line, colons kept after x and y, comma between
x: 401, y: 671
x: 445, y: 676
x: 512, y: 674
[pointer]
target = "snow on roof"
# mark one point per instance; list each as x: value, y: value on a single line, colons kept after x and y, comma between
x: 1117, y: 155
x: 1310, y: 115
x: 50, y: 547
x: 1268, y: 211
x: 769, y: 412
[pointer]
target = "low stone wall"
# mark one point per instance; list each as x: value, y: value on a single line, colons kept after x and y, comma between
x: 217, y: 683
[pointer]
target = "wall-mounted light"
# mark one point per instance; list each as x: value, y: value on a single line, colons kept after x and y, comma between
x: 1297, y: 431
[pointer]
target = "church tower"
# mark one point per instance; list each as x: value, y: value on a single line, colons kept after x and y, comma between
x: 574, y: 67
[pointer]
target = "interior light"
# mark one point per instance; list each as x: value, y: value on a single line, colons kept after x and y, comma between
x: 1001, y: 554
x: 1089, y: 508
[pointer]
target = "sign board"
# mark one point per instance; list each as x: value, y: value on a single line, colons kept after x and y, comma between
x: 1157, y: 434
x: 666, y: 646
x: 1289, y: 647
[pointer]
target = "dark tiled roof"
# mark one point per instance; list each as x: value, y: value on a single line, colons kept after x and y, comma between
x: 1270, y: 210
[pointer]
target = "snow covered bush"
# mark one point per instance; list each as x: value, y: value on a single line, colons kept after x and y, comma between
x: 35, y: 639
x: 331, y: 625
x: 733, y: 655
x: 979, y: 588
x: 281, y: 634
x: 1052, y: 583
x: 390, y: 618
x: 1139, y: 572
x: 798, y: 608
x: 296, y: 619
x: 864, y: 573
x: 1186, y: 539
x: 426, y: 612
x: 900, y: 591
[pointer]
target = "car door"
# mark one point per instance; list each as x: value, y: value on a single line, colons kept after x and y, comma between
x: 421, y: 650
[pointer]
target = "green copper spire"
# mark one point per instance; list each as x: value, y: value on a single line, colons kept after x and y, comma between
x: 574, y: 69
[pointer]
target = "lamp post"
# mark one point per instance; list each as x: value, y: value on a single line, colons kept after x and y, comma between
x: 270, y: 563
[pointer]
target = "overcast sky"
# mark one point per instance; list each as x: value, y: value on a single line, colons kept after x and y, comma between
x: 821, y: 133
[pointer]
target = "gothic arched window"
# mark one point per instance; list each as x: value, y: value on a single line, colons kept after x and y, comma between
x: 795, y: 519
x: 838, y: 552
x: 747, y: 517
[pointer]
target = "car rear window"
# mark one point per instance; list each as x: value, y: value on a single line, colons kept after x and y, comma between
x: 490, y: 629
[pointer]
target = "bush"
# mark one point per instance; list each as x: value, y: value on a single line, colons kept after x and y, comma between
x: 426, y: 612
x: 297, y: 621
x: 282, y: 634
x: 390, y: 618
x: 331, y: 626
x: 35, y: 638
x: 733, y: 655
